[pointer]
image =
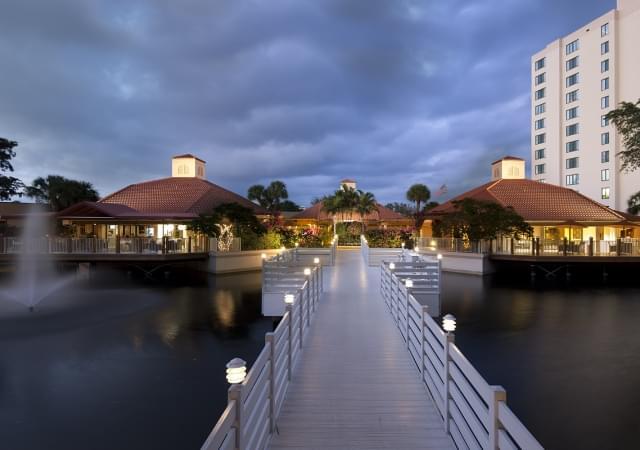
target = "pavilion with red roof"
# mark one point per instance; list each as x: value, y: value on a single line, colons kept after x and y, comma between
x: 154, y: 208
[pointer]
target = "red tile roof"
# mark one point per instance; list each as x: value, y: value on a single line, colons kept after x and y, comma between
x: 164, y: 198
x: 538, y: 202
x: 316, y: 212
x: 189, y: 155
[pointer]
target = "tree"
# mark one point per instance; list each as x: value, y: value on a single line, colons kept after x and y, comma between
x: 288, y: 205
x: 60, y: 192
x: 626, y: 118
x: 269, y: 197
x: 634, y: 204
x: 242, y: 220
x: 366, y: 204
x: 9, y: 186
x: 419, y: 194
x: 477, y: 220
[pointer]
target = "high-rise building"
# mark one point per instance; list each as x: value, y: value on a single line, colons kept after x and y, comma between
x: 575, y: 82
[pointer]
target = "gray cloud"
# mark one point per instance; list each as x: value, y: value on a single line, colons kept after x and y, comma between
x: 389, y: 93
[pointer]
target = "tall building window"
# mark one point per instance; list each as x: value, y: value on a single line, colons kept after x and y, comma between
x: 604, y: 66
x: 539, y: 64
x: 540, y: 138
x: 539, y: 94
x: 572, y: 79
x: 539, y: 124
x: 605, y: 192
x: 604, y: 102
x: 572, y: 113
x: 572, y: 163
x: 604, y: 84
x: 572, y: 129
x: 540, y: 78
x: 572, y: 63
x: 604, y: 30
x: 540, y: 109
x: 604, y: 48
x: 604, y: 138
x: 573, y: 179
x: 604, y: 156
x: 572, y: 47
x: 572, y: 96
x: 572, y: 146
x: 539, y: 154
x: 539, y: 169
x: 604, y: 175
x: 604, y: 121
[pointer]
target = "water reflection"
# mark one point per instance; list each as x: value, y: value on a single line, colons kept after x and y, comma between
x: 566, y: 353
x: 134, y: 367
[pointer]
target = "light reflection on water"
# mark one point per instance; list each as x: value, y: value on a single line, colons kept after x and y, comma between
x: 568, y: 355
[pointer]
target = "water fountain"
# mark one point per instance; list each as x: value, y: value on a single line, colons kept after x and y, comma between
x: 35, y: 277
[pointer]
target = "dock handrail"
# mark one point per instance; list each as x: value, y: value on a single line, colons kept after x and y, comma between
x: 474, y: 413
x: 254, y: 405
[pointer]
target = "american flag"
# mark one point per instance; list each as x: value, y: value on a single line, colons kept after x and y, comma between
x: 441, y: 191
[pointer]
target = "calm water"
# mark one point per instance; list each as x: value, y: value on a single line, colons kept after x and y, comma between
x: 135, y: 367
x: 568, y: 355
x: 142, y: 365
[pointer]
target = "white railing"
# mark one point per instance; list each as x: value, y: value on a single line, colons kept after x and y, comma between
x: 113, y: 245
x: 375, y: 256
x: 254, y: 405
x: 474, y: 413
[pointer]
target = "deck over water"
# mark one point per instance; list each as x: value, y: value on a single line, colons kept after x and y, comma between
x: 355, y: 386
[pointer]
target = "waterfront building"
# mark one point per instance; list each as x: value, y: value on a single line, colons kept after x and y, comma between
x: 575, y: 81
x: 157, y: 208
x: 381, y: 217
x: 554, y: 212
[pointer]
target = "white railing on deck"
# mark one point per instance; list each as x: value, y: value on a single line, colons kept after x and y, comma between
x: 474, y: 413
x: 254, y: 405
x: 375, y: 256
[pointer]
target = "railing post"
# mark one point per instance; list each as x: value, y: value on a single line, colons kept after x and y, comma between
x: 289, y: 309
x: 618, y: 247
x: 591, y: 246
x: 537, y: 246
x: 499, y: 395
x: 308, y: 289
x: 269, y: 339
x: 3, y: 245
x: 301, y: 307
x: 407, y: 316
x: 449, y: 340
x: 423, y: 317
x: 512, y: 247
x: 565, y: 244
x: 164, y: 245
x: 235, y: 393
x: 189, y: 244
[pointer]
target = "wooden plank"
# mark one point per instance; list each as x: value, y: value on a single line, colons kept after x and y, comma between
x: 471, y: 374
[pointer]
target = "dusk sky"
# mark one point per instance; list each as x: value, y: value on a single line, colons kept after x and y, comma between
x: 389, y: 93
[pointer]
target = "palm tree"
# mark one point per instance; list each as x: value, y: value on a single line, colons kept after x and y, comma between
x: 419, y: 194
x: 60, y: 192
x: 366, y: 205
x: 331, y: 205
x: 269, y: 197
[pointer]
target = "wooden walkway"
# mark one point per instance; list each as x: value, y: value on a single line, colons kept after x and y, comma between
x: 355, y: 386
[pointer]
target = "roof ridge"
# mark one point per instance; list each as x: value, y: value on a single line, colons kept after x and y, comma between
x: 488, y: 189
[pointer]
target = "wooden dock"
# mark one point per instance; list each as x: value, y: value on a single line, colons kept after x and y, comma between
x: 355, y: 385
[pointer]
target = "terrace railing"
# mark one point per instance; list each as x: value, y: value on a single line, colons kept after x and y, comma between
x: 115, y: 245
x: 474, y: 413
x: 254, y: 405
x: 533, y: 247
x: 375, y: 256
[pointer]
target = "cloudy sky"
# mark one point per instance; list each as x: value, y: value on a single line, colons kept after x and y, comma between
x: 389, y: 92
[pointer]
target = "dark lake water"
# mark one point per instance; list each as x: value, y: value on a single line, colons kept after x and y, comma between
x: 142, y: 365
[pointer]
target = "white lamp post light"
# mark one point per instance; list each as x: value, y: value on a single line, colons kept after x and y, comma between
x: 392, y: 266
x: 416, y: 249
x: 449, y: 323
x: 316, y: 260
x: 408, y: 283
x: 236, y: 371
x: 439, y: 255
x: 263, y: 256
x: 288, y: 299
x: 307, y: 271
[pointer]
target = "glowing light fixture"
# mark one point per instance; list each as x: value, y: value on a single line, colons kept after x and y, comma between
x: 439, y: 256
x: 449, y: 323
x: 316, y: 260
x: 403, y: 245
x: 297, y: 244
x: 288, y: 299
x: 263, y: 256
x: 307, y: 271
x: 408, y: 283
x: 283, y: 248
x: 236, y: 371
x: 416, y: 248
x: 392, y: 266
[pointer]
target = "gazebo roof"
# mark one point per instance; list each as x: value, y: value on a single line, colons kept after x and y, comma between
x: 315, y: 212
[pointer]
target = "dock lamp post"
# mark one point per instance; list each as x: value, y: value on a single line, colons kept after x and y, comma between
x: 449, y: 326
x: 392, y: 266
x: 316, y: 261
x: 236, y: 371
x: 263, y: 256
x: 408, y: 283
x: 439, y: 256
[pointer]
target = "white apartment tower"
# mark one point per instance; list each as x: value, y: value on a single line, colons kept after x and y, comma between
x: 575, y: 82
